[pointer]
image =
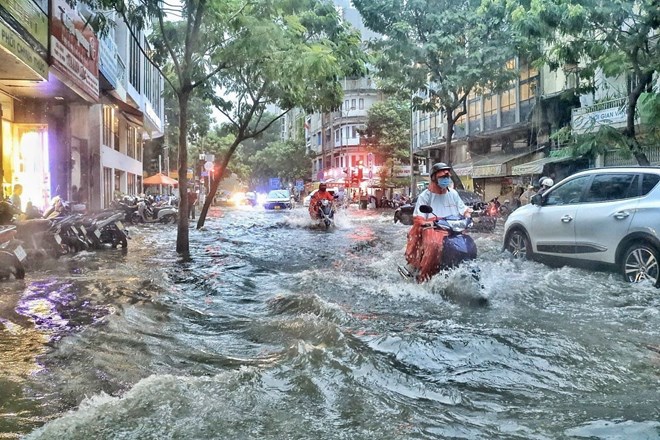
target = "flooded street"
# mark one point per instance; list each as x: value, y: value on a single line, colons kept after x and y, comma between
x: 280, y: 330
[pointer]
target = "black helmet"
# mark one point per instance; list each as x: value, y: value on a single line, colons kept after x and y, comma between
x: 440, y: 166
x: 323, y: 186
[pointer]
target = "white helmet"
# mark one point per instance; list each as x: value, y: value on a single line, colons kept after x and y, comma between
x: 547, y: 182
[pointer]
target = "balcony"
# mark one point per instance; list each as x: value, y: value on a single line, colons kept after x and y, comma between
x: 612, y: 113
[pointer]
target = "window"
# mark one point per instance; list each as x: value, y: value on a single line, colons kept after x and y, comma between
x: 569, y: 193
x: 609, y: 187
x: 107, y: 136
x: 355, y: 133
x: 508, y: 107
x: 131, y: 188
x: 107, y: 186
x: 649, y: 181
x: 131, y: 142
x: 352, y: 103
x: 490, y: 113
x: 361, y: 103
x: 134, y: 66
x: 346, y: 105
x: 474, y: 115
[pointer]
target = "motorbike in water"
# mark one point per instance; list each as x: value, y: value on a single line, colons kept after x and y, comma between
x: 12, y: 254
x: 458, y: 249
x: 325, y: 213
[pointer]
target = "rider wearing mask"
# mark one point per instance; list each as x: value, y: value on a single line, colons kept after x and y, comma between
x: 321, y: 194
x: 424, y: 248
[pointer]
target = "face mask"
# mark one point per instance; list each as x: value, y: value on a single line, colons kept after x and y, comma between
x: 444, y: 182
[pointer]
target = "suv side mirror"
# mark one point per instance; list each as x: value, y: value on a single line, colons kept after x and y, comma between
x: 537, y: 199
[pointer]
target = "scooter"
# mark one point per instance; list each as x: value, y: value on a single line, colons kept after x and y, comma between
x: 326, y: 213
x: 12, y: 254
x: 148, y: 213
x: 457, y: 249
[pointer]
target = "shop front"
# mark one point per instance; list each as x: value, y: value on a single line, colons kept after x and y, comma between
x: 24, y: 142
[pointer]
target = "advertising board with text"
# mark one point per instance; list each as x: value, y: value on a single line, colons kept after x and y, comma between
x: 74, y: 48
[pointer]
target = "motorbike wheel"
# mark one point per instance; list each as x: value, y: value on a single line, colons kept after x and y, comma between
x: 135, y: 218
x: 641, y: 262
x: 11, y: 266
x: 169, y: 218
x: 519, y: 245
x: 119, y: 238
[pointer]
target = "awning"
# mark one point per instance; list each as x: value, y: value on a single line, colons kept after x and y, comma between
x: 494, y: 165
x: 129, y: 112
x: 463, y: 169
x: 535, y: 166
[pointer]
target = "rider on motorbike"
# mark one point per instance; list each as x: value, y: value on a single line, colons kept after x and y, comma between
x: 321, y: 194
x: 424, y: 248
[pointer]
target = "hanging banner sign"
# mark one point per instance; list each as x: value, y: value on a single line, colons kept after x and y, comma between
x: 10, y: 41
x: 29, y: 16
x: 74, y: 48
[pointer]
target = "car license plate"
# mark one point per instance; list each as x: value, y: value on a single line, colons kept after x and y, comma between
x: 119, y: 225
x: 20, y: 253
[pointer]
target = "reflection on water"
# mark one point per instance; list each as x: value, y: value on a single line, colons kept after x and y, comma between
x: 278, y: 329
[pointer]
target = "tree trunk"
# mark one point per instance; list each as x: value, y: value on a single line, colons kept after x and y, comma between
x: 458, y: 184
x: 182, y: 238
x: 629, y: 132
x: 216, y: 181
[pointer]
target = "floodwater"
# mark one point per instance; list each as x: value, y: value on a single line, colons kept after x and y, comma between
x: 280, y: 330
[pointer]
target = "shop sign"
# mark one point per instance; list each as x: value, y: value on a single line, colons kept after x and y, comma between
x: 402, y: 171
x: 27, y: 14
x: 487, y: 170
x: 19, y: 48
x: 74, y: 48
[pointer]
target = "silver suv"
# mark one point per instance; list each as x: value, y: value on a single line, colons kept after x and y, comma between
x: 606, y: 215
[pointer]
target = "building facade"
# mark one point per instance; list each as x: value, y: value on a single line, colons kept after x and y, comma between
x: 73, y: 123
x: 334, y: 140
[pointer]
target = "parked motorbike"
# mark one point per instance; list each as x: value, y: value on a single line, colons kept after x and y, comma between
x: 147, y: 212
x: 458, y: 247
x: 12, y: 254
x: 106, y: 228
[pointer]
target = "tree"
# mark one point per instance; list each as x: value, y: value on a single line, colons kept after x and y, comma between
x: 293, y: 55
x: 388, y: 129
x: 444, y: 49
x: 282, y: 52
x: 287, y: 160
x: 615, y: 38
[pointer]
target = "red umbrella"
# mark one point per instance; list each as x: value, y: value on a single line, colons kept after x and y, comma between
x: 160, y: 179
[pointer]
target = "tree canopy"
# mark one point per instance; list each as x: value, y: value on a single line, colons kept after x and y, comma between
x: 615, y: 38
x: 245, y: 55
x: 441, y: 51
x: 388, y: 129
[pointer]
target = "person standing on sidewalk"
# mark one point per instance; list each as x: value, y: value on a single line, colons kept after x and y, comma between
x: 192, y: 201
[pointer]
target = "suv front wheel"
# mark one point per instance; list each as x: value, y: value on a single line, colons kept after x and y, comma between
x: 641, y: 262
x: 519, y: 245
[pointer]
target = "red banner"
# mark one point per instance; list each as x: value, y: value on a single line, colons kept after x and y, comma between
x: 74, y: 48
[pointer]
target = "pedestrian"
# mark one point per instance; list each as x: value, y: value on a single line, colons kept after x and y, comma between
x: 527, y: 195
x: 16, y: 196
x: 192, y: 201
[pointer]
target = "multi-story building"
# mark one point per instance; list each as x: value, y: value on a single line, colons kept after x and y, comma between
x: 80, y: 121
x: 499, y: 132
x: 334, y: 137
